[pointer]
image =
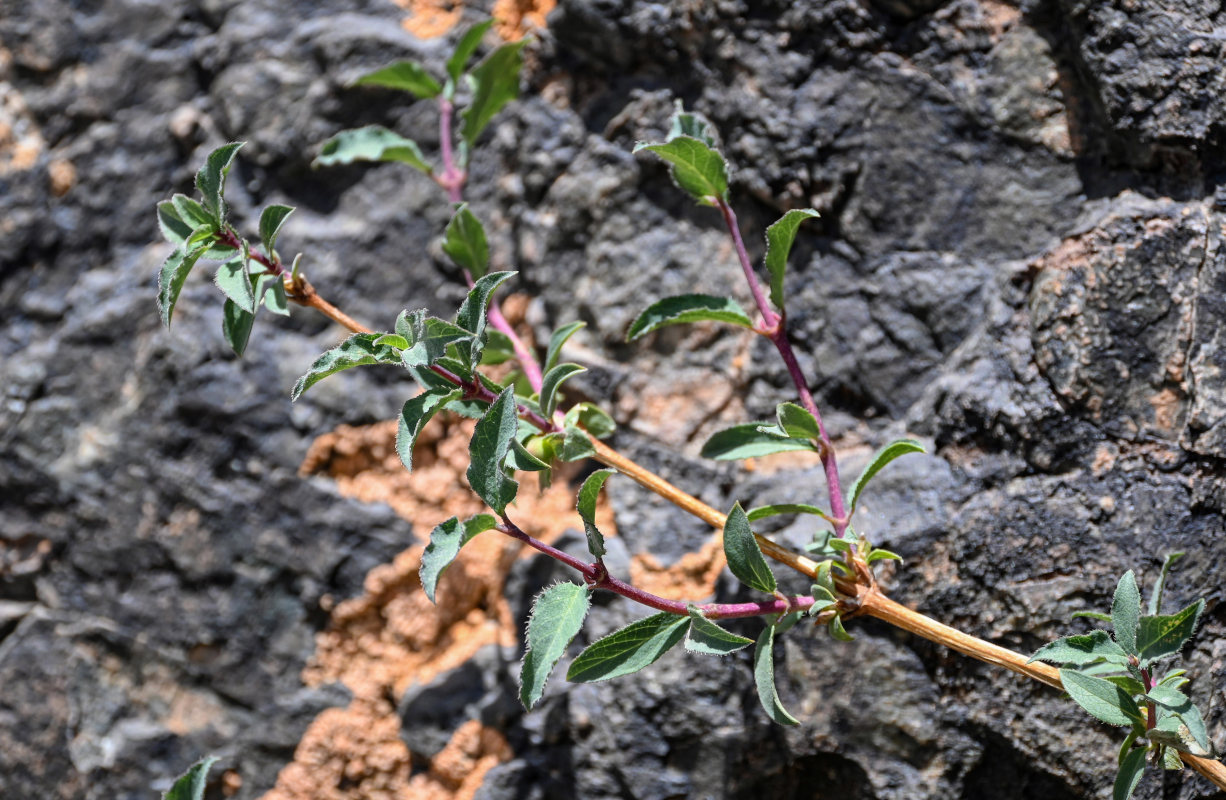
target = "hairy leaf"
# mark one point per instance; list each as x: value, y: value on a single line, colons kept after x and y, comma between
x: 429, y: 339
x: 593, y: 418
x: 695, y: 126
x: 211, y: 179
x: 586, y: 504
x: 1155, y: 596
x: 707, y: 638
x: 748, y: 441
x: 175, y: 269
x: 557, y: 615
x: 575, y: 445
x: 1162, y: 636
x: 271, y: 220
x: 1170, y: 698
x: 488, y: 450
x: 779, y: 240
x: 688, y: 308
x: 236, y: 326
x: 1129, y: 775
x: 629, y: 649
x: 695, y: 167
x: 745, y: 558
x: 1079, y: 651
x: 1126, y: 612
x: 472, y: 315
x: 372, y: 143
x: 764, y: 677
x: 559, y: 337
x: 355, y: 351
x: 883, y: 456
x: 495, y: 83
x: 464, y: 242
x: 445, y: 542
x: 797, y: 422
x: 235, y: 283
x: 416, y: 412
x: 191, y: 785
x: 550, y: 383
x: 465, y: 48
x: 408, y: 76
x: 762, y: 512
x: 1102, y: 698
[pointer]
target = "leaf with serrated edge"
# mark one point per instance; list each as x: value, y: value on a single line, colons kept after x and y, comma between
x: 559, y: 337
x: 372, y: 143
x: 465, y: 48
x: 236, y: 326
x: 1126, y: 612
x: 779, y: 239
x: 464, y: 242
x: 764, y: 678
x: 586, y: 505
x: 171, y: 278
x: 688, y: 308
x: 557, y: 615
x: 550, y: 383
x: 1155, y: 595
x: 744, y: 556
x: 408, y: 76
x: 488, y: 450
x: 1101, y: 698
x: 355, y: 351
x: 797, y: 422
x: 416, y: 412
x: 762, y: 512
x: 1081, y: 650
x: 191, y: 784
x: 271, y: 220
x: 234, y: 282
x: 747, y: 441
x: 882, y: 457
x: 707, y: 638
x: 496, y: 83
x: 445, y: 542
x: 1162, y: 636
x: 211, y: 179
x: 695, y: 167
x: 472, y: 314
x: 1129, y: 776
x: 629, y: 649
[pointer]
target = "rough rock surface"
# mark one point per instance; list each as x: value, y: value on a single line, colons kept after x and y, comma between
x: 1020, y: 258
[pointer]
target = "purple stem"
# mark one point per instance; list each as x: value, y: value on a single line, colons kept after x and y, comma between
x: 773, y: 328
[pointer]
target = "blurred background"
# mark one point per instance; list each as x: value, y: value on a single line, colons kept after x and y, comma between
x: 1019, y: 260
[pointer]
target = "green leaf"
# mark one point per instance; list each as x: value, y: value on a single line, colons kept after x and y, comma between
x: 445, y: 543
x: 1155, y: 597
x: 557, y: 615
x: 707, y: 638
x: 836, y: 630
x: 747, y: 441
x: 744, y: 556
x: 1098, y: 615
x: 796, y: 422
x: 495, y: 83
x: 592, y: 418
x: 1169, y: 697
x: 372, y: 143
x: 521, y: 458
x: 488, y: 450
x: 575, y: 445
x: 472, y: 315
x: 884, y: 456
x: 549, y: 386
x: 1175, y: 679
x: 688, y: 308
x: 275, y: 299
x: 764, y: 677
x: 355, y: 351
x: 1082, y: 650
x: 1171, y: 759
x: 235, y: 283
x: 236, y: 326
x: 498, y: 348
x: 1103, y: 699
x: 408, y: 76
x: 191, y: 785
x: 211, y: 180
x: 1129, y: 776
x: 175, y: 269
x: 559, y: 337
x: 465, y: 48
x: 1162, y: 636
x: 416, y: 412
x: 1126, y: 612
x: 271, y: 220
x: 430, y: 337
x: 629, y: 649
x: 586, y: 504
x: 879, y: 554
x: 173, y: 228
x: 695, y: 167
x: 762, y: 512
x: 181, y: 216
x: 192, y: 213
x: 692, y: 125
x: 1193, y: 732
x: 464, y: 242
x: 779, y: 239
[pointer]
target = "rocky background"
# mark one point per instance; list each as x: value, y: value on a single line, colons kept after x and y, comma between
x: 1019, y: 260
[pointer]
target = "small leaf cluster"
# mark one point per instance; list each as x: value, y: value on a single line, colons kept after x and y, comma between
x: 191, y: 784
x: 491, y: 84
x: 1114, y: 675
x: 199, y: 230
